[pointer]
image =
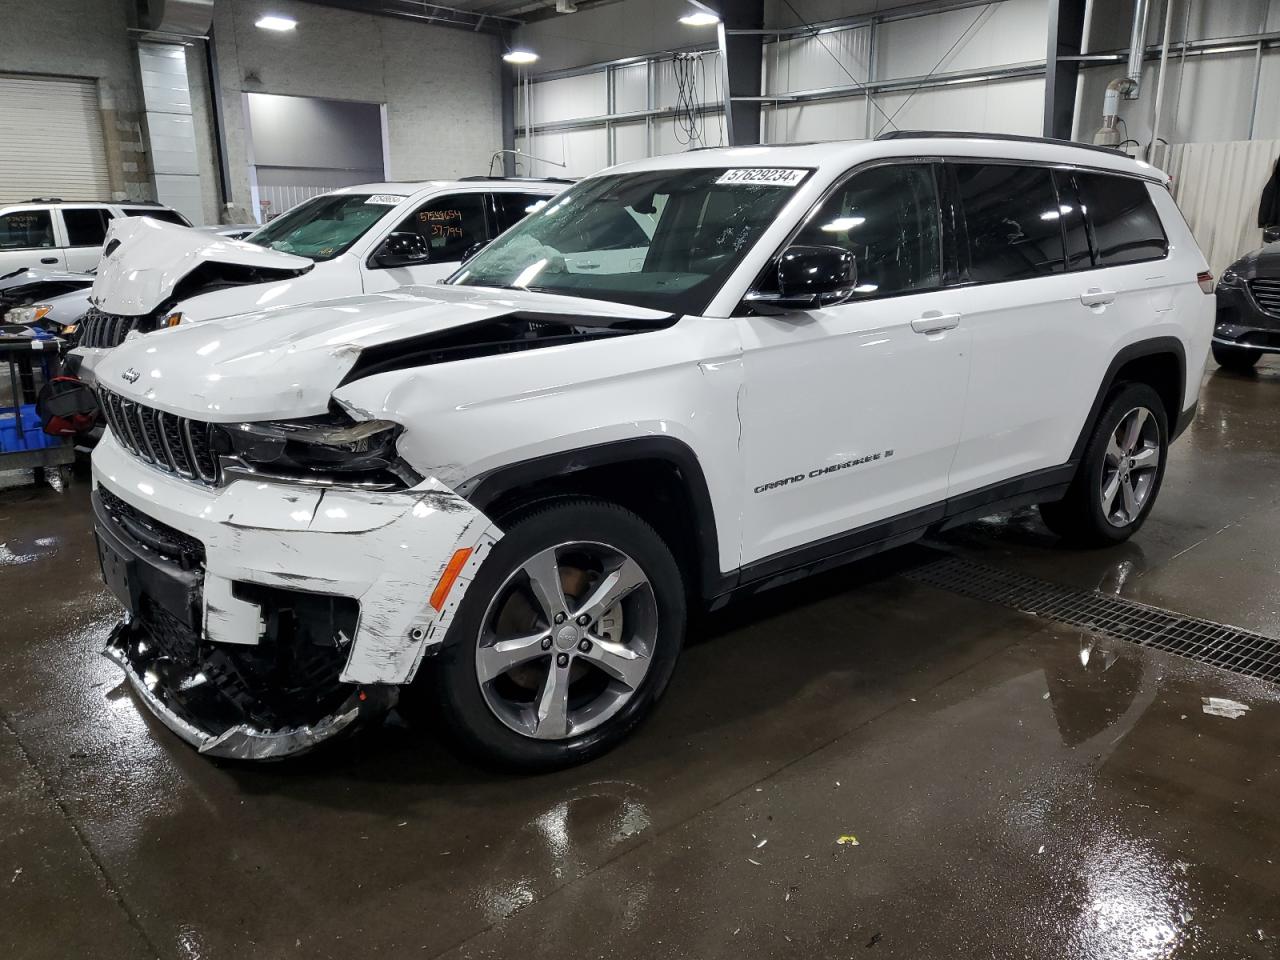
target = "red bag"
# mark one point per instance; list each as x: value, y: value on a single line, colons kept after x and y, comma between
x: 67, y: 407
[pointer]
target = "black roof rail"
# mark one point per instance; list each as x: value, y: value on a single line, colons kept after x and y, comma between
x: 1011, y: 137
x: 118, y: 203
x: 477, y: 177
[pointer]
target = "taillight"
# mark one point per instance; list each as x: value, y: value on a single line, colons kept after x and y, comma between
x: 1205, y: 279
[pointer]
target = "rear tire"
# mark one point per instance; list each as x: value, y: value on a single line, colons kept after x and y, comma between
x: 541, y: 672
x: 1120, y: 474
x: 1239, y: 359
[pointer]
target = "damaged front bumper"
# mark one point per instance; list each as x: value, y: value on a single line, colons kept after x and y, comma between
x: 241, y: 741
x: 264, y: 618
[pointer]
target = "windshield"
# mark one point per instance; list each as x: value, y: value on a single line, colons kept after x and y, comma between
x: 665, y: 239
x: 323, y: 227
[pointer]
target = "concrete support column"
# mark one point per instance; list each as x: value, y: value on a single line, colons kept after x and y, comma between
x: 128, y: 169
x: 507, y: 82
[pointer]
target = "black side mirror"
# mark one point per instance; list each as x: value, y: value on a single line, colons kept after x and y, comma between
x: 474, y: 249
x: 404, y: 249
x: 1271, y: 234
x: 808, y: 278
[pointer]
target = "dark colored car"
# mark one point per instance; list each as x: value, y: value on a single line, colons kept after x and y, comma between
x: 1248, y: 321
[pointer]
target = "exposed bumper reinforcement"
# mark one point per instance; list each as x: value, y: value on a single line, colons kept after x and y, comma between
x: 243, y: 742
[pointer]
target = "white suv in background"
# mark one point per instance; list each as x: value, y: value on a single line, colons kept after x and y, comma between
x: 524, y: 477
x: 355, y: 240
x: 65, y: 235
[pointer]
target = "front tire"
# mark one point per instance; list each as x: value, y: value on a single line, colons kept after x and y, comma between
x: 1239, y: 359
x: 1120, y: 474
x: 565, y: 640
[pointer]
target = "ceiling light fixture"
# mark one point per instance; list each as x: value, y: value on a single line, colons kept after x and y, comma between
x: 520, y: 56
x: 700, y: 19
x: 272, y: 22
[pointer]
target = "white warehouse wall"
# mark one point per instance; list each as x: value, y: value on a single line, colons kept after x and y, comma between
x: 440, y: 85
x: 1212, y: 100
x: 1001, y: 34
x: 1010, y: 33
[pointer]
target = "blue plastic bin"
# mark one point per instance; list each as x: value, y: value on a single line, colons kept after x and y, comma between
x: 16, y: 436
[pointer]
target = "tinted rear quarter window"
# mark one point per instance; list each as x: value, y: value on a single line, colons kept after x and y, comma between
x: 1126, y: 227
x: 1011, y: 213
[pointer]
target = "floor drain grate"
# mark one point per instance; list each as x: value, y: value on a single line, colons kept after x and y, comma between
x: 1230, y: 648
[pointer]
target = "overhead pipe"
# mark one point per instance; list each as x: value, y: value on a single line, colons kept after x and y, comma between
x: 1137, y: 47
x: 1160, y: 77
x: 1128, y: 86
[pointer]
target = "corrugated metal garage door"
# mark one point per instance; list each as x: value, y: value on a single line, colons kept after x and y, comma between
x: 51, y: 140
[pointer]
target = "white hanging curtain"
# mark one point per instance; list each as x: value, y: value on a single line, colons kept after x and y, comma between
x: 1218, y: 187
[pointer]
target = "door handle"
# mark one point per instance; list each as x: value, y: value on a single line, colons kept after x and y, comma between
x: 931, y: 321
x: 48, y: 259
x: 1097, y: 297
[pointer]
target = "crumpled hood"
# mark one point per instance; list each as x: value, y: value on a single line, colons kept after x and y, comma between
x: 287, y: 362
x: 146, y: 259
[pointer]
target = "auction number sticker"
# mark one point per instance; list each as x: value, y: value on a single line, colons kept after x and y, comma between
x: 763, y: 176
x: 385, y: 199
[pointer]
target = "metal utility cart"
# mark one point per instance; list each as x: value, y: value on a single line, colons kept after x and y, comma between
x: 28, y: 360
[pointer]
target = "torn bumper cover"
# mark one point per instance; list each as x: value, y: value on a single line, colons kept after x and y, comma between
x: 239, y: 741
x: 264, y: 618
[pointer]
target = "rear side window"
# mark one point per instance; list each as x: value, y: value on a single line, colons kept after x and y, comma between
x: 158, y: 213
x: 86, y: 226
x: 514, y: 207
x: 1012, y: 215
x: 887, y: 217
x: 1126, y: 227
x: 25, y: 229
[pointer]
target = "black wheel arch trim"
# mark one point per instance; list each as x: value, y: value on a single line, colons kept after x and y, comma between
x: 484, y: 490
x: 1155, y: 346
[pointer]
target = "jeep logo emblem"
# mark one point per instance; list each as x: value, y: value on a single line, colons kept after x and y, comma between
x: 130, y: 376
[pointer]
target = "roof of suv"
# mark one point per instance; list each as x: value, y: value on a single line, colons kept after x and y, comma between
x: 408, y: 188
x: 58, y: 202
x: 843, y: 154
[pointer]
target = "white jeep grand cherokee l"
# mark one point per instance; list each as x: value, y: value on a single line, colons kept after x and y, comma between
x: 686, y: 377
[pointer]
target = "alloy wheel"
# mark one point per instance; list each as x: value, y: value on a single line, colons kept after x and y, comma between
x: 567, y: 640
x: 1130, y: 466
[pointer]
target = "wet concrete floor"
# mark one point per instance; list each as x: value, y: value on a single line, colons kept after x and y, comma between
x: 1016, y: 788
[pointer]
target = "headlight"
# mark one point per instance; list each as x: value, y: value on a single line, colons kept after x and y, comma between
x: 28, y: 315
x: 330, y: 449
